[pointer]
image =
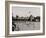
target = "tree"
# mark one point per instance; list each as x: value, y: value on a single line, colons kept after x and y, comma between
x: 13, y: 19
x: 38, y: 18
x: 17, y: 16
x: 30, y: 18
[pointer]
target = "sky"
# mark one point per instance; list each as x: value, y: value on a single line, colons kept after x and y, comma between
x: 25, y: 11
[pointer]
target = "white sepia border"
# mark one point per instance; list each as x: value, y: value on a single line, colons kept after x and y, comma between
x: 24, y: 32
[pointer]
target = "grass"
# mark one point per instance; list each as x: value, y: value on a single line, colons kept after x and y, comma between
x: 27, y: 25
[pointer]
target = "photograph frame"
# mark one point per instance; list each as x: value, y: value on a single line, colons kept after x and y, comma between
x: 7, y: 3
